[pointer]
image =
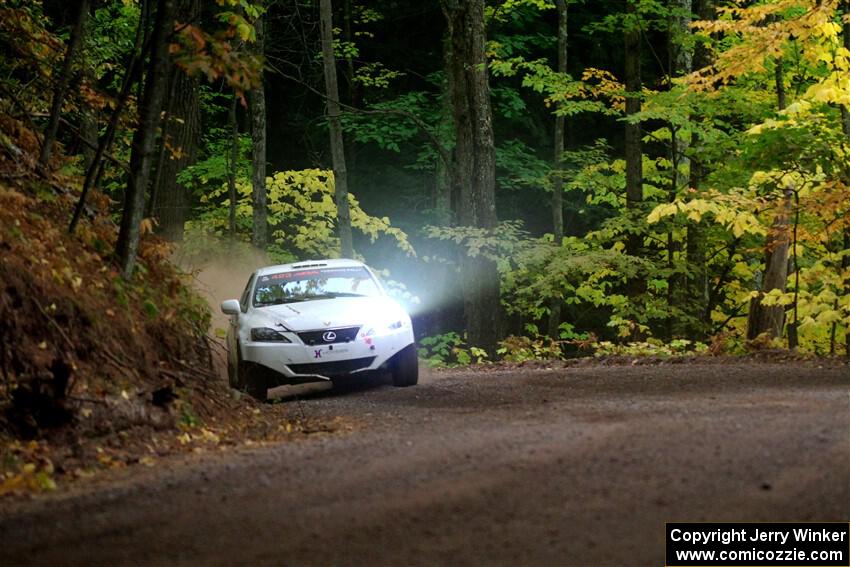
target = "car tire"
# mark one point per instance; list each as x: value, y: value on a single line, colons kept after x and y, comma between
x: 250, y: 378
x: 405, y: 367
x: 256, y: 381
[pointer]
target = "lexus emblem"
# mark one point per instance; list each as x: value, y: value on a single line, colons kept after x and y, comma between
x: 329, y: 337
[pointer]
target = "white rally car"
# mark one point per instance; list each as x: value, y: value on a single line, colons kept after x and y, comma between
x: 317, y: 320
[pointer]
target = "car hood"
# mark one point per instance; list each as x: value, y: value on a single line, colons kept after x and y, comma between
x: 332, y: 313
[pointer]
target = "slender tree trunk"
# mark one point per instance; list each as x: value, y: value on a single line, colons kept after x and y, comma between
x: 474, y: 171
x: 763, y: 318
x: 697, y: 282
x: 845, y: 126
x: 444, y: 316
x: 164, y: 153
x: 779, y: 79
x: 93, y: 171
x: 232, y: 160
x: 351, y: 83
x: 64, y: 79
x: 680, y: 57
x: 560, y: 127
x: 633, y: 153
x: 795, y: 319
x: 257, y: 96
x: 443, y: 185
x: 144, y: 140
x: 845, y: 269
x: 557, y: 180
x: 337, y: 143
x: 88, y: 128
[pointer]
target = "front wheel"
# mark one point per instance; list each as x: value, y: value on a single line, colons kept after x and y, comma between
x: 257, y: 387
x: 405, y: 367
x: 253, y: 379
x: 257, y: 380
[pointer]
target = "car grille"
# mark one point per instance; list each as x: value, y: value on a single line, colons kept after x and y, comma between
x: 334, y: 368
x: 345, y: 335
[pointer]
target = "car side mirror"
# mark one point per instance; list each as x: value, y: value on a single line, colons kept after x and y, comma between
x: 231, y: 307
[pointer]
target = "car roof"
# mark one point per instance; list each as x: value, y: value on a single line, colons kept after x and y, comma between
x: 328, y: 263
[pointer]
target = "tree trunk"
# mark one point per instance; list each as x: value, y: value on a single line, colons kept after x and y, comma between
x: 95, y: 167
x: 845, y: 126
x: 633, y: 154
x: 259, y: 198
x: 164, y: 153
x: 64, y: 79
x: 474, y: 171
x: 144, y: 140
x: 845, y: 269
x: 697, y: 288
x: 780, y: 84
x: 337, y: 143
x: 444, y: 316
x: 770, y: 319
x: 680, y: 59
x: 354, y: 97
x: 763, y: 318
x: 795, y: 263
x: 443, y: 184
x: 169, y: 201
x: 182, y: 130
x: 88, y: 128
x: 557, y: 180
x: 232, y: 160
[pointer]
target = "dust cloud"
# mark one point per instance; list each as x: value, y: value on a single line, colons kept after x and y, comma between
x: 221, y: 273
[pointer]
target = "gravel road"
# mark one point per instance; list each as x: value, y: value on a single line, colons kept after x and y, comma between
x: 575, y: 466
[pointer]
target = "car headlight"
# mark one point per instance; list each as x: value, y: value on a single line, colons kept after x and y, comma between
x: 267, y: 335
x: 393, y: 325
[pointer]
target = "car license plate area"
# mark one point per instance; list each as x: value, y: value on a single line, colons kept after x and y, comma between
x: 330, y: 352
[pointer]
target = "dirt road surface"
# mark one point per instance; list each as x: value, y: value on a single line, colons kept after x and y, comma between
x: 576, y: 466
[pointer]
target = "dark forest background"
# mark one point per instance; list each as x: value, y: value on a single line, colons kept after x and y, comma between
x: 535, y: 178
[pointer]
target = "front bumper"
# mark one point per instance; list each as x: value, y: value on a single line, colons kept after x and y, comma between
x: 298, y: 360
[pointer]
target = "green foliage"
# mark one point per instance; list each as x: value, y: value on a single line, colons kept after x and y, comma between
x: 150, y: 309
x: 699, y: 233
x: 214, y: 170
x: 509, y: 8
x: 501, y: 243
x: 653, y: 348
x: 376, y: 75
x: 449, y: 349
x: 302, y: 215
x: 389, y: 124
x: 520, y: 166
x: 522, y: 349
x: 112, y: 29
x: 188, y: 416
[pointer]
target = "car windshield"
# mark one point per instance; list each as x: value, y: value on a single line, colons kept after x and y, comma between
x: 320, y: 283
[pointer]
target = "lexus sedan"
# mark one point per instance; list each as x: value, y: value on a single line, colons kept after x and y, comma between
x: 312, y: 321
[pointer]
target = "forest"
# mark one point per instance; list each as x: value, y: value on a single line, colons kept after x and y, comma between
x: 535, y: 179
